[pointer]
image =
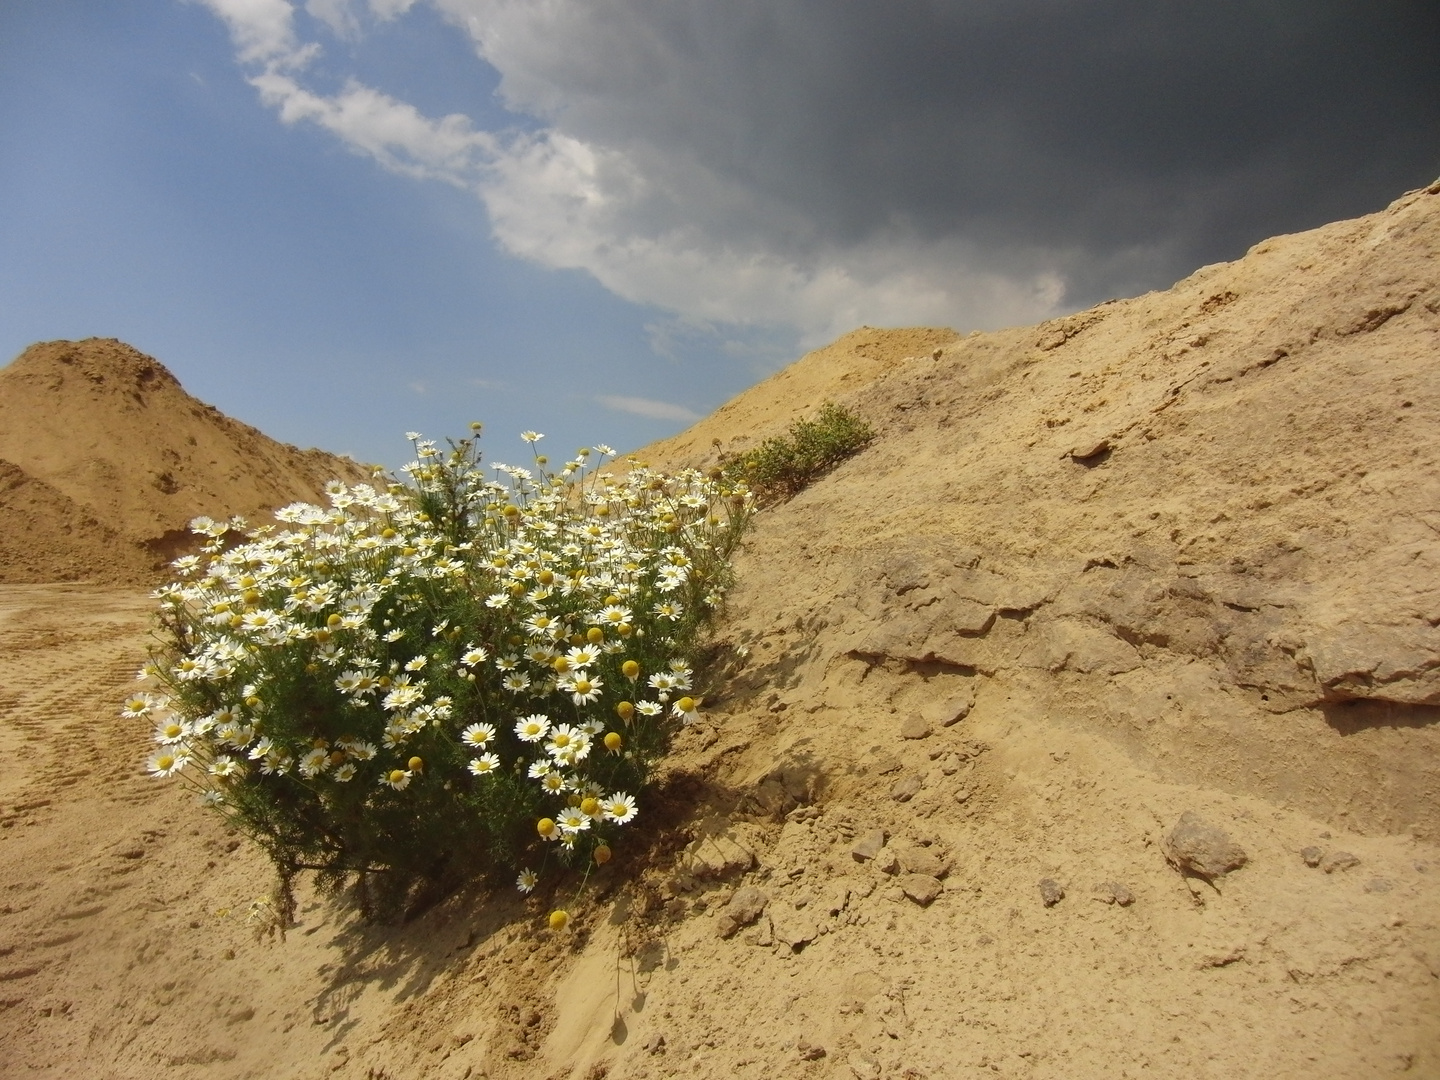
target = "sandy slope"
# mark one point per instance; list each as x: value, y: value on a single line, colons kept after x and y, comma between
x: 1177, y: 553
x: 104, y: 460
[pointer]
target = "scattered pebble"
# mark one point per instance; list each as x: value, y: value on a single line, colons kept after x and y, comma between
x: 1339, y: 860
x: 809, y: 1052
x: 1196, y: 847
x: 1051, y: 891
x: 1112, y: 892
x: 744, y: 908
x: 869, y: 845
x: 1312, y: 855
x: 951, y: 711
x: 887, y: 862
x: 907, y: 787
x: 923, y: 861
x: 837, y: 895
x: 915, y: 727
x: 1379, y: 885
x: 922, y: 888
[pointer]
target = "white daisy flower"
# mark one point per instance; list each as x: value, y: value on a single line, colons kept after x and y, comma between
x: 620, y: 808
x: 485, y: 764
x: 477, y: 735
x: 167, y: 761
x: 532, y: 728
x: 398, y: 779
x: 573, y: 820
x: 172, y: 731
x: 527, y: 880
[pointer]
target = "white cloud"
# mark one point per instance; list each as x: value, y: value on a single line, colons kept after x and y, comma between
x: 392, y: 132
x: 667, y: 232
x: 651, y: 410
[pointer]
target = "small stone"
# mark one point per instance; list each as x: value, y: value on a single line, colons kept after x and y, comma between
x: 1051, y: 891
x: 963, y: 795
x: 907, y: 787
x: 950, y: 765
x: 1339, y: 860
x: 746, y: 905
x: 836, y: 897
x: 868, y: 846
x: 894, y: 894
x: 887, y: 862
x: 923, y: 861
x: 1379, y: 884
x: 726, y: 927
x: 1090, y: 448
x: 795, y: 930
x: 765, y: 936
x: 1112, y: 892
x: 922, y: 888
x: 1312, y: 855
x: 951, y: 711
x: 809, y: 1052
x: 655, y: 1044
x: 915, y: 727
x: 1195, y: 847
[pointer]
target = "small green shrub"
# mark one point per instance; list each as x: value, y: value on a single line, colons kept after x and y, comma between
x: 433, y: 679
x: 782, y: 466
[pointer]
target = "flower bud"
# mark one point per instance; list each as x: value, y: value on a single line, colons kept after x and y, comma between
x: 602, y: 854
x: 613, y: 741
x: 559, y: 920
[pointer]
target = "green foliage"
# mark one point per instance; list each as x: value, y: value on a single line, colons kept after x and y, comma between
x: 430, y: 680
x: 782, y: 466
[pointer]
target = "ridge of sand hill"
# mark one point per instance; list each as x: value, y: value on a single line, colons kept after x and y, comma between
x: 105, y: 434
x: 1175, y: 554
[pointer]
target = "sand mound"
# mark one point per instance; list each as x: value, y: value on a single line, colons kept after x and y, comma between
x: 105, y: 434
x: 1083, y: 725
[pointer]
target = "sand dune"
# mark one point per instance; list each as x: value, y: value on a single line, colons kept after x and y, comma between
x: 121, y: 458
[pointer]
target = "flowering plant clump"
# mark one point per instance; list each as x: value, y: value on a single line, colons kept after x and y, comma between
x: 469, y: 671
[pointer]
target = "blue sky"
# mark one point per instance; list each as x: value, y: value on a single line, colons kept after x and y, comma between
x: 344, y: 219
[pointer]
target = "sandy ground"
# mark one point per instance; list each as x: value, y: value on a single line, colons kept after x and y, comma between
x: 1177, y: 554
x: 129, y: 949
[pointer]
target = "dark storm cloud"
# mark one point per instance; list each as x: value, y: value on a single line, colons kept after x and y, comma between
x: 1119, y: 142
